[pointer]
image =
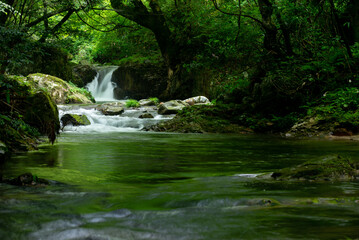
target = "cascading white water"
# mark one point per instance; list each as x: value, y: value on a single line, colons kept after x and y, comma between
x: 101, y: 87
x: 128, y: 121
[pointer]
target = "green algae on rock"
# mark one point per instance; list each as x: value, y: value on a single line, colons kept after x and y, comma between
x: 328, y: 168
x: 201, y: 119
x: 75, y: 120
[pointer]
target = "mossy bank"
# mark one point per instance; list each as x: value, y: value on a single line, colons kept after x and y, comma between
x: 28, y: 109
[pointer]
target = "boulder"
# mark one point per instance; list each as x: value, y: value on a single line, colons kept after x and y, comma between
x: 74, y: 120
x: 86, y: 73
x: 59, y: 90
x: 328, y: 168
x: 147, y: 102
x: 140, y: 81
x: 112, y: 109
x: 171, y: 107
x: 199, y: 100
x: 146, y: 115
x: 36, y: 113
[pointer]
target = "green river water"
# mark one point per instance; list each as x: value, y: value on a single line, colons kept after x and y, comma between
x: 140, y: 185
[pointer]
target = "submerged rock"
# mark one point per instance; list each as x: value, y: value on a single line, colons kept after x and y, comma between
x: 59, y: 90
x: 74, y: 120
x: 329, y: 168
x: 114, y: 108
x: 26, y: 179
x: 146, y: 115
x: 171, y: 107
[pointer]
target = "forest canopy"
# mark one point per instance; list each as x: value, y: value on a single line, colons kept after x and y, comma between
x: 262, y: 51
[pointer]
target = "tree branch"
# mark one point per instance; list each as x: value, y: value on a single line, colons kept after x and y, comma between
x: 215, y: 4
x: 44, y: 17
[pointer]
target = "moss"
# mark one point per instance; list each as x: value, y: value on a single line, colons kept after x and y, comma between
x: 132, y: 103
x: 328, y: 168
x: 27, y: 112
x: 200, y: 119
x: 16, y: 137
x: 81, y: 119
x: 61, y: 91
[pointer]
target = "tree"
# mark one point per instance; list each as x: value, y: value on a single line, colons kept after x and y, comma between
x: 174, y: 50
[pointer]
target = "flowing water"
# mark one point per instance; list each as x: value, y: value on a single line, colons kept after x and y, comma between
x: 141, y: 185
x: 112, y: 181
x: 102, y: 87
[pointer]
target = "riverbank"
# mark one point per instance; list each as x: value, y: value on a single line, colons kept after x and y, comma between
x: 29, y: 110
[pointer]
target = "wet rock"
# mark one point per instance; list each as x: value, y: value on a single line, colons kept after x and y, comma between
x: 38, y: 110
x: 328, y: 168
x: 140, y: 81
x: 199, y: 100
x: 27, y: 179
x: 171, y: 107
x: 342, y: 132
x: 86, y: 73
x: 59, y: 90
x: 74, y: 120
x: 147, y: 102
x: 146, y: 115
x: 111, y: 109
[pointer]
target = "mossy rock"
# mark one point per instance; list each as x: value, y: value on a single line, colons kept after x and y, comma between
x: 27, y: 112
x: 202, y: 119
x: 328, y: 168
x: 75, y: 120
x: 84, y: 74
x: 42, y: 113
x: 111, y: 109
x: 171, y: 107
x: 60, y: 91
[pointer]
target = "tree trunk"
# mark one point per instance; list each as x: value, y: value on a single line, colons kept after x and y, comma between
x: 154, y: 20
x: 270, y: 30
x: 339, y: 28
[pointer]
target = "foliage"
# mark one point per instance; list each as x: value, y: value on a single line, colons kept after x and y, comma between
x: 340, y: 106
x: 84, y: 91
x: 155, y: 100
x: 132, y: 103
x: 17, y: 123
x: 25, y: 112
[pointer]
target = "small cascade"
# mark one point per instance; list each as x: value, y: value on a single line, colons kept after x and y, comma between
x: 128, y: 121
x: 102, y: 87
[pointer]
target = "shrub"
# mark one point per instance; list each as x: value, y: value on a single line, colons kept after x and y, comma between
x: 155, y: 100
x: 132, y: 103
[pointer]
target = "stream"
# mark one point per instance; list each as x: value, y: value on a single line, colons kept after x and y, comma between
x: 112, y: 181
x: 141, y: 185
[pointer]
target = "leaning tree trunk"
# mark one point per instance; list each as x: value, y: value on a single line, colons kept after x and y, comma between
x: 270, y: 30
x: 154, y: 20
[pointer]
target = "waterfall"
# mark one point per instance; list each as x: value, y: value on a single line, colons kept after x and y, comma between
x: 101, y: 86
